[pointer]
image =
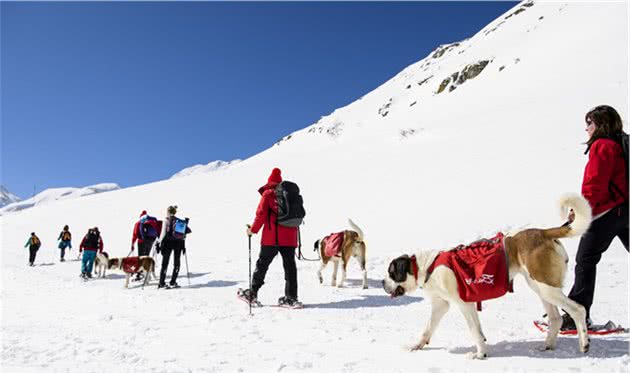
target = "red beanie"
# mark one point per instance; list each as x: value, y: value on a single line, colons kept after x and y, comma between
x: 144, y: 212
x: 275, y: 176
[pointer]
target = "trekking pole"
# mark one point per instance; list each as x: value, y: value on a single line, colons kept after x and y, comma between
x: 249, y: 238
x: 187, y: 272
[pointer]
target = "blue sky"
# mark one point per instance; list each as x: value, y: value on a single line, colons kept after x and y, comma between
x: 133, y: 92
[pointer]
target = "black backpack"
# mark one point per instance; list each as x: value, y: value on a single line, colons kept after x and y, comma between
x: 622, y: 140
x: 290, y: 204
x: 91, y: 239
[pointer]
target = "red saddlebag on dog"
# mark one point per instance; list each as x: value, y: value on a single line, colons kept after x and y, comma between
x: 481, y: 269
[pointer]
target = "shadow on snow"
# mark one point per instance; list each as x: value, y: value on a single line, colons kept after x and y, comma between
x: 367, y: 301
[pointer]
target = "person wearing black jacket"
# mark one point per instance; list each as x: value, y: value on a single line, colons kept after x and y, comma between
x: 171, y: 241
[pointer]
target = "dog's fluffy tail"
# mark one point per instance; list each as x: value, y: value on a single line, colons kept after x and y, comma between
x: 580, y: 223
x: 356, y: 228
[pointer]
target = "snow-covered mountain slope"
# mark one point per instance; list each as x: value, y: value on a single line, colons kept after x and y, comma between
x: 412, y: 167
x: 57, y: 194
x: 205, y: 168
x: 7, y: 197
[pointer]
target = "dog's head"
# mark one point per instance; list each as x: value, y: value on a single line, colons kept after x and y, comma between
x: 114, y: 263
x: 400, y: 278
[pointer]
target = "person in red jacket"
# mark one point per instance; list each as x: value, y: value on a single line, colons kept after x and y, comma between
x: 275, y: 239
x: 605, y: 187
x: 91, y: 243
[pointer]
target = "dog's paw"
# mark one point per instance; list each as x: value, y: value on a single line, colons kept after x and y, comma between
x: 477, y: 355
x: 586, y: 347
x: 546, y: 347
x: 365, y: 286
x: 417, y: 347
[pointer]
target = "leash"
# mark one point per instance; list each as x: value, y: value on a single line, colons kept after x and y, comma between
x: 299, y: 255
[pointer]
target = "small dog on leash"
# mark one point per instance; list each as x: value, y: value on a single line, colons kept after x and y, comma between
x: 340, y: 247
x: 100, y: 264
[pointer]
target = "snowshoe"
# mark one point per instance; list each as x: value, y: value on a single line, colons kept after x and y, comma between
x: 174, y: 285
x: 593, y: 329
x: 248, y: 296
x: 287, y: 302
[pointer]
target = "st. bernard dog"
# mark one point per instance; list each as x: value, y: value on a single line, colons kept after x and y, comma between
x: 101, y: 263
x: 536, y: 254
x: 146, y: 264
x: 352, y: 245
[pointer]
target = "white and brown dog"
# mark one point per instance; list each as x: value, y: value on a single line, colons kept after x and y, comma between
x: 100, y: 264
x: 537, y: 254
x: 145, y: 265
x: 352, y: 245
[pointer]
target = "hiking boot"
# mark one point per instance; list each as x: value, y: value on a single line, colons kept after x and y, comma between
x: 163, y: 286
x: 83, y: 275
x: 139, y: 277
x: 569, y: 324
x: 89, y: 275
x: 62, y: 260
x: 174, y: 284
x: 289, y: 302
x: 249, y: 295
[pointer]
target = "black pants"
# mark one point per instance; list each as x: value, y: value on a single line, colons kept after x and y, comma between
x: 267, y: 254
x: 176, y: 247
x: 32, y: 253
x: 144, y: 248
x: 592, y: 245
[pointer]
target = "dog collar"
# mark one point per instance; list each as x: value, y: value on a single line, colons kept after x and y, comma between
x: 414, y: 266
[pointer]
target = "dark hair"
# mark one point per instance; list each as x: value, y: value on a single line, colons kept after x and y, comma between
x: 607, y: 121
x: 65, y: 227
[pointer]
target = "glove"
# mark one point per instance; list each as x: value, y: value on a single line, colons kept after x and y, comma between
x: 131, y: 247
x: 184, y: 251
x: 249, y: 230
x: 157, y: 247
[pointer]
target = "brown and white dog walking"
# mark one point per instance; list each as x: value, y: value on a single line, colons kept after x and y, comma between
x: 101, y: 263
x: 349, y: 243
x: 133, y: 265
x: 537, y: 254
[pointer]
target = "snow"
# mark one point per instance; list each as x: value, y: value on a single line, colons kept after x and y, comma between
x: 7, y: 197
x: 210, y: 167
x: 494, y: 154
x: 57, y: 194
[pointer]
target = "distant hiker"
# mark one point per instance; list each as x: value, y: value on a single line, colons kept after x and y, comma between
x: 92, y: 242
x: 605, y: 187
x: 145, y: 231
x: 65, y: 241
x: 33, y: 244
x: 172, y: 239
x: 276, y: 238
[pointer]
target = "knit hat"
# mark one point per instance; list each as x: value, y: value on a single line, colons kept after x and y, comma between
x: 144, y: 212
x: 275, y: 176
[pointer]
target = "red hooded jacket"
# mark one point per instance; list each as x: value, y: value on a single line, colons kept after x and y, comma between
x: 266, y: 214
x: 605, y: 183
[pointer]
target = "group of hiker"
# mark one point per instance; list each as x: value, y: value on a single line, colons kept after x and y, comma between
x: 280, y: 212
x: 147, y: 231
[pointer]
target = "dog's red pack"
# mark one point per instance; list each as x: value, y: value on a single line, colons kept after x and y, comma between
x: 131, y: 264
x: 480, y: 269
x: 332, y: 244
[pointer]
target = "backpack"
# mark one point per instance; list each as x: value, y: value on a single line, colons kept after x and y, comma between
x: 35, y: 241
x: 178, y: 228
x: 91, y: 239
x: 149, y: 229
x: 290, y: 204
x: 622, y: 140
x: 66, y: 236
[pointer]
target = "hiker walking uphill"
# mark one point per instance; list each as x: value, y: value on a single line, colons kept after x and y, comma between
x: 33, y: 244
x: 91, y: 243
x: 605, y: 187
x: 65, y: 241
x: 145, y: 231
x: 276, y: 237
x: 172, y: 240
